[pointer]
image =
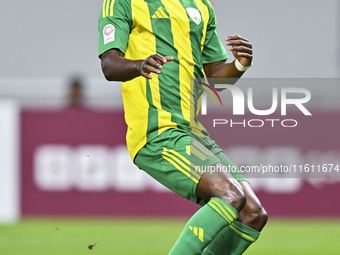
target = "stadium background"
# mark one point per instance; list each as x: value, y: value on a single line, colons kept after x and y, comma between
x: 59, y: 163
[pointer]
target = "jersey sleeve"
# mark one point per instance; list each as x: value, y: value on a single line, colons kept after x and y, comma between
x: 213, y: 49
x: 114, y: 25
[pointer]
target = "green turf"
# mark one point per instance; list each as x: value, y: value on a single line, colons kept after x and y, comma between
x: 155, y: 237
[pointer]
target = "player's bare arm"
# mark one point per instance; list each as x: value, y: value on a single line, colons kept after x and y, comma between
x: 242, y: 51
x: 117, y: 68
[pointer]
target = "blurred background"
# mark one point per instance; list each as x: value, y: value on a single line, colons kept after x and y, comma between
x: 62, y: 133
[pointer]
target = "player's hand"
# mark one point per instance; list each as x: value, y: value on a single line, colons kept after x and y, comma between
x: 153, y: 64
x: 241, y: 48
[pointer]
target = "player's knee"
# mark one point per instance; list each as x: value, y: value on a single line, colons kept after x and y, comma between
x: 259, y: 218
x: 262, y: 217
x: 234, y: 196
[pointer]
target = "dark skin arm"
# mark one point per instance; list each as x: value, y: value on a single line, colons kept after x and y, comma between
x: 241, y: 49
x: 117, y: 68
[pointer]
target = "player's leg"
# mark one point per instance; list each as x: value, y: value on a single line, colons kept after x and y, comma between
x: 244, y: 231
x: 250, y: 222
x: 253, y: 214
x: 236, y: 238
x: 169, y: 162
x: 221, y: 185
x: 226, y: 199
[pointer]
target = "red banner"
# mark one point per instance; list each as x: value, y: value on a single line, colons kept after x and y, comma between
x: 75, y: 162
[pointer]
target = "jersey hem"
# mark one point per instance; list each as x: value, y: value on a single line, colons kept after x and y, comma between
x: 111, y: 48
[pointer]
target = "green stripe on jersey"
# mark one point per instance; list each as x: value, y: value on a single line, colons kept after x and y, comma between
x: 152, y: 112
x: 196, y: 34
x: 169, y: 80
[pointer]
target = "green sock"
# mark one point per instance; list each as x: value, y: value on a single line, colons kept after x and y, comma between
x: 203, y: 226
x: 232, y: 240
x: 243, y: 237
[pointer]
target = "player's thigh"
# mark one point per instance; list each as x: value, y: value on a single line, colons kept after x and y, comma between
x: 253, y: 205
x: 226, y: 161
x: 253, y: 214
x: 216, y: 180
x: 229, y: 166
x: 175, y: 160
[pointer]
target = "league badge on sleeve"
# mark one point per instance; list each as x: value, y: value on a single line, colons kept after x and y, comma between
x: 109, y: 33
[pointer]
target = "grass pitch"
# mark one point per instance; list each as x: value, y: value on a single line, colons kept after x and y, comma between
x: 126, y: 236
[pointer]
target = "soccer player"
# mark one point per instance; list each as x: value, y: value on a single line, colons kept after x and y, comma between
x: 157, y: 48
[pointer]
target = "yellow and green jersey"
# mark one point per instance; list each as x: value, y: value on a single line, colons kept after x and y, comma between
x: 183, y: 29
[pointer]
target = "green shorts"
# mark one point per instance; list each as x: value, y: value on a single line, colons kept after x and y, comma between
x: 177, y: 159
